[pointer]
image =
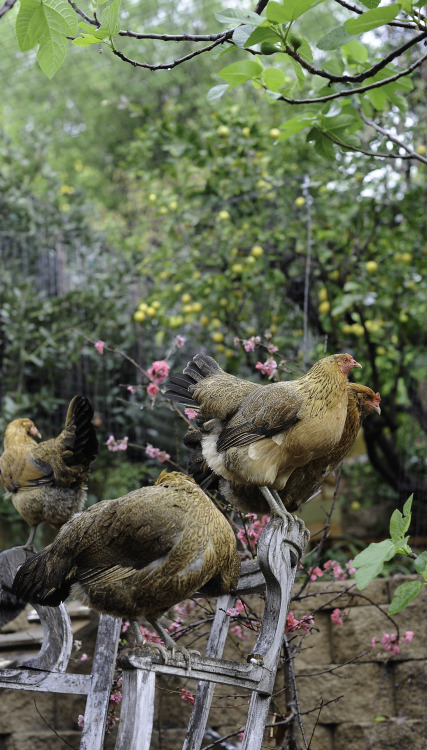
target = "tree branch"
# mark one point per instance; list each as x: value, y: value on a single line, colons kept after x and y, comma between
x: 7, y: 6
x: 170, y: 65
x: 360, y: 76
x: 355, y: 9
x: 412, y: 154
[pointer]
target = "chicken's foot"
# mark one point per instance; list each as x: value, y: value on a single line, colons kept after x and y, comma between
x: 170, y: 648
x: 278, y: 509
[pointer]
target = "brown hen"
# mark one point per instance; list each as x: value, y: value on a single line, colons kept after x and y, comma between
x: 138, y: 555
x: 258, y: 435
x: 306, y: 480
x: 47, y: 481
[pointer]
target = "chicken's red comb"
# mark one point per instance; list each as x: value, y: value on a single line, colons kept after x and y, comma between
x: 377, y: 398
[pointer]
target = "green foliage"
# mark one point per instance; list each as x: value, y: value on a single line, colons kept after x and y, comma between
x: 370, y: 562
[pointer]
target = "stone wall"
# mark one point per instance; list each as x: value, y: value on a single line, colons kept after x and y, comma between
x: 370, y: 703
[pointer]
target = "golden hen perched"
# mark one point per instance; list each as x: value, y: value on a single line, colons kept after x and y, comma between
x: 138, y: 555
x: 304, y: 480
x: 47, y: 481
x: 259, y: 434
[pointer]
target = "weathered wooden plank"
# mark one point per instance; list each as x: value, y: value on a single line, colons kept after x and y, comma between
x: 45, y: 682
x: 136, y: 717
x: 104, y: 662
x: 205, y: 690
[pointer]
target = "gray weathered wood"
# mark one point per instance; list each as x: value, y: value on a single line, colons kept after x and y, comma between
x: 205, y: 690
x: 137, y: 713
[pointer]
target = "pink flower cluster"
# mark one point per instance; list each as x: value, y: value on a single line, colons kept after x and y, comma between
x: 253, y: 531
x: 332, y: 566
x: 269, y: 367
x: 187, y: 696
x: 159, y: 371
x: 153, y: 452
x: 292, y: 624
x: 391, y: 642
x: 336, y: 617
x: 179, y: 341
x: 99, y: 346
x: 117, y: 445
x: 250, y: 344
x: 191, y: 413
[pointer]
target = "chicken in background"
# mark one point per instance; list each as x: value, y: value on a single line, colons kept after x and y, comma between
x: 138, y: 555
x: 259, y: 434
x: 304, y: 481
x: 47, y: 481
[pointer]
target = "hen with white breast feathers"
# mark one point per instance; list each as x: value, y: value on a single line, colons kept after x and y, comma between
x: 258, y: 434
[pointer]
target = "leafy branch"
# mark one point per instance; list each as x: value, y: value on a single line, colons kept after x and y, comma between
x: 370, y: 562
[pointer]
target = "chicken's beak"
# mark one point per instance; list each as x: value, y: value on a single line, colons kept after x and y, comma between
x: 356, y: 364
x: 377, y: 409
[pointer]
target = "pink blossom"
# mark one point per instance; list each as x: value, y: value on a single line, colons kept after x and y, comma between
x: 125, y: 626
x: 149, y: 636
x: 350, y: 569
x: 249, y: 344
x: 153, y: 390
x: 117, y: 445
x: 131, y: 389
x: 269, y: 367
x: 175, y: 625
x: 407, y: 638
x: 116, y: 697
x: 304, y: 624
x: 179, y: 341
x: 84, y: 657
x: 374, y: 642
x: 99, y: 346
x: 272, y: 349
x: 191, y: 413
x: 240, y: 735
x: 153, y: 452
x: 336, y: 617
x: 158, y: 371
x: 253, y: 532
x: 315, y: 573
x: 80, y: 720
x: 187, y: 696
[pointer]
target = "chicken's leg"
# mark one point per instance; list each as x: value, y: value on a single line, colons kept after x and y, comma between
x: 170, y: 646
x: 278, y: 509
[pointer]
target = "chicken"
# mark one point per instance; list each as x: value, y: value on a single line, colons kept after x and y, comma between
x: 304, y: 480
x: 137, y: 555
x: 258, y: 435
x: 47, y: 481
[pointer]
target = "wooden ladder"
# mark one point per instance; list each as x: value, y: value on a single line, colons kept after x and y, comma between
x: 279, y: 551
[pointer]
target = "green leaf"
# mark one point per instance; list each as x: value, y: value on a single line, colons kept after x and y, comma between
x: 322, y: 145
x: 408, y: 505
x: 399, y: 524
x: 240, y: 72
x: 337, y: 124
x: 304, y: 50
x: 37, y: 19
x: 333, y: 39
x: 86, y: 40
x: 51, y: 54
x: 262, y: 34
x: 274, y: 78
x: 290, y: 127
x: 235, y: 16
x: 403, y: 595
x: 217, y: 91
x: 420, y: 564
x: 288, y: 10
x: 370, y: 562
x: 276, y: 13
x: 356, y: 50
x: 241, y: 35
x: 378, y: 98
x: 110, y: 18
x: 370, y: 3
x: 299, y: 72
x: 372, y: 19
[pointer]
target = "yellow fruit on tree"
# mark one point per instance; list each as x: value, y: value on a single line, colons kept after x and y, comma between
x: 371, y: 266
x: 217, y: 336
x: 274, y: 132
x: 300, y: 201
x: 204, y: 321
x: 223, y: 216
x: 223, y: 131
x: 324, y: 307
x: 257, y: 251
x: 186, y: 298
x: 322, y: 294
x: 139, y: 316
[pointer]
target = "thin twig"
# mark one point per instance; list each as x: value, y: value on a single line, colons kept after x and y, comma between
x: 52, y: 728
x: 308, y: 198
x: 412, y: 154
x: 291, y: 672
x: 170, y: 65
x: 7, y: 6
x: 355, y: 9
